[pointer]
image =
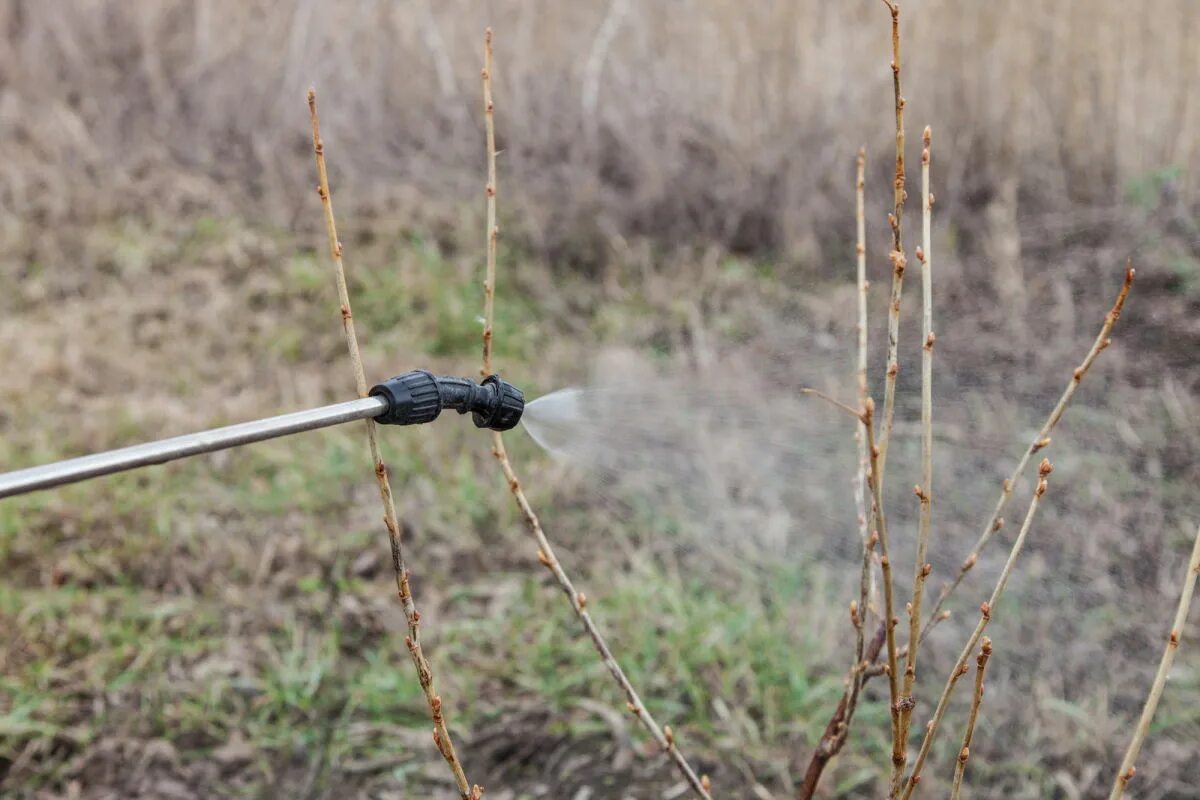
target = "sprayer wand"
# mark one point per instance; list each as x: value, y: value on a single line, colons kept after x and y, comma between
x: 413, y: 398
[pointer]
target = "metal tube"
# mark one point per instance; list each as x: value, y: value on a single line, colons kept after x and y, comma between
x: 77, y: 469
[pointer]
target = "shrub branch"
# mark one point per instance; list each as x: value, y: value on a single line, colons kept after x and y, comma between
x: 890, y: 620
x: 493, y: 230
x: 663, y: 735
x: 441, y: 733
x: 1040, y: 441
x: 861, y: 495
x: 878, y: 452
x: 896, y: 256
x: 838, y: 727
x: 964, y: 752
x: 1127, y: 769
x: 985, y: 616
x: 921, y: 568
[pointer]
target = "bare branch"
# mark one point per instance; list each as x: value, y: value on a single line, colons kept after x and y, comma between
x: 838, y: 728
x: 1127, y: 769
x: 896, y: 257
x: 921, y: 567
x: 838, y: 404
x: 964, y: 752
x: 1040, y: 441
x: 493, y: 231
x: 664, y: 736
x: 879, y: 452
x: 441, y: 734
x: 890, y: 620
x: 985, y: 616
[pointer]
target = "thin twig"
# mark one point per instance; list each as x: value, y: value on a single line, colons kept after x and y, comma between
x: 896, y: 256
x: 493, y: 231
x: 921, y: 568
x: 964, y: 752
x: 838, y: 727
x: 885, y: 562
x: 866, y: 574
x: 1040, y: 441
x: 1127, y: 769
x: 838, y: 404
x: 441, y: 734
x: 985, y: 616
x: 879, y: 453
x: 663, y: 735
x: 861, y: 493
x: 860, y: 252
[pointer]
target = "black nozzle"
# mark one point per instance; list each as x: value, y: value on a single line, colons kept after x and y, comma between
x: 419, y: 396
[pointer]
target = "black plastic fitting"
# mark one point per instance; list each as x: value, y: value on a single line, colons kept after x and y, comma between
x: 419, y: 396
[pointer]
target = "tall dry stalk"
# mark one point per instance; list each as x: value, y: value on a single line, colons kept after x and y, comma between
x: 1040, y: 441
x: 866, y: 575
x: 896, y: 256
x: 861, y: 501
x: 924, y: 491
x: 885, y: 562
x: 985, y: 616
x: 838, y: 727
x: 878, y: 452
x: 663, y: 735
x: 441, y: 733
x: 964, y: 752
x: 493, y: 230
x: 1127, y: 769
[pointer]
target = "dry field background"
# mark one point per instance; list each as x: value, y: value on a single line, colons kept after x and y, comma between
x: 677, y: 199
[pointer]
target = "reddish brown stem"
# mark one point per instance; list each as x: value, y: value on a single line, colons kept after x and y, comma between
x: 838, y: 727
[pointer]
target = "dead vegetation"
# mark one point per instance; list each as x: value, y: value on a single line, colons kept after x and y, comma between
x: 714, y: 123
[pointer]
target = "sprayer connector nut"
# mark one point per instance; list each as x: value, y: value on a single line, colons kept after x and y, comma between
x: 413, y: 398
x: 419, y: 396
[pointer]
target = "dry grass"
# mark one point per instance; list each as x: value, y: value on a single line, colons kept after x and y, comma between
x: 710, y: 120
